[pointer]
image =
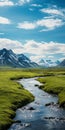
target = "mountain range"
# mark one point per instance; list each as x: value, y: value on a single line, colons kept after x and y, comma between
x: 9, y: 58
x: 62, y: 63
x: 48, y: 63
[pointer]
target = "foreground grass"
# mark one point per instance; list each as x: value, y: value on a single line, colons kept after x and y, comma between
x: 54, y: 85
x: 12, y: 95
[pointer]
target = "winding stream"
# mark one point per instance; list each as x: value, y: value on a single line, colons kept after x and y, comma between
x: 37, y: 115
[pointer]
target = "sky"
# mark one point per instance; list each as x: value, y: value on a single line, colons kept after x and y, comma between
x: 35, y: 28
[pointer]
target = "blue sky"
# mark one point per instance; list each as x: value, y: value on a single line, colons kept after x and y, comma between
x: 33, y: 27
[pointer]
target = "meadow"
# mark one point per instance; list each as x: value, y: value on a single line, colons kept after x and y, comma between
x: 53, y: 82
x: 13, y: 95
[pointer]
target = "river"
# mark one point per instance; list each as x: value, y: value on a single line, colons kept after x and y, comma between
x: 42, y: 114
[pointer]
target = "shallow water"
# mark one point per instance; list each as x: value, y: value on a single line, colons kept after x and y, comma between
x: 42, y: 117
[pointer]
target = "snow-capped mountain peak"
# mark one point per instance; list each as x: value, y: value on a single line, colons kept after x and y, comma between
x: 48, y: 63
x: 9, y: 58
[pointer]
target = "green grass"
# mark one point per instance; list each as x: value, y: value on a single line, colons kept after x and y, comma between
x: 54, y: 85
x: 12, y: 94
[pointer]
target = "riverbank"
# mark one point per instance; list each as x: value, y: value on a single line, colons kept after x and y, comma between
x: 12, y: 95
x: 54, y: 85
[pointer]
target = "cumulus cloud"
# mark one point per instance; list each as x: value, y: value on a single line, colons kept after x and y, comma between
x: 33, y: 47
x: 52, y: 11
x: 26, y: 25
x: 21, y: 2
x: 36, y: 50
x: 46, y: 24
x: 13, y: 3
x: 10, y: 44
x: 4, y: 20
x: 50, y: 23
x: 6, y: 3
x: 37, y: 58
x: 54, y: 19
x: 42, y: 48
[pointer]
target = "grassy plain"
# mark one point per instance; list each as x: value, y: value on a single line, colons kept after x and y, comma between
x: 54, y: 83
x: 13, y: 95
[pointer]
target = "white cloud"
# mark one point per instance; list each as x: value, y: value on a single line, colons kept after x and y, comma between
x: 21, y: 2
x: 54, y: 19
x: 36, y: 5
x: 52, y: 11
x: 10, y: 44
x: 26, y: 25
x: 61, y: 59
x: 13, y: 3
x: 46, y: 24
x: 6, y: 3
x: 4, y: 20
x: 44, y: 48
x: 32, y: 47
x: 36, y: 58
x: 37, y: 50
x: 50, y: 23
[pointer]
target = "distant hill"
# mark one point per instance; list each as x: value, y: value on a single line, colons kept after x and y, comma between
x: 9, y: 58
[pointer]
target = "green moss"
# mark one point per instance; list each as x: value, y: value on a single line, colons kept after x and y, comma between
x: 54, y: 85
x: 12, y: 95
x: 62, y: 99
